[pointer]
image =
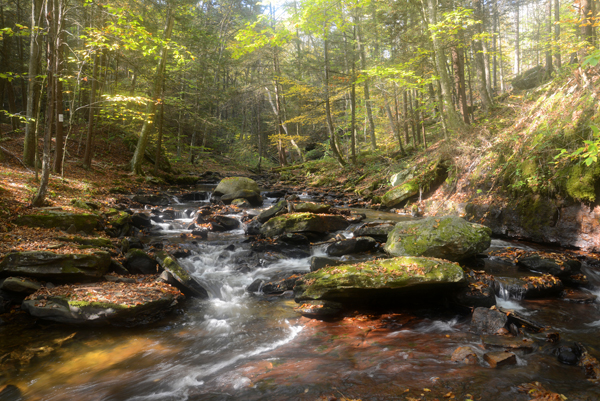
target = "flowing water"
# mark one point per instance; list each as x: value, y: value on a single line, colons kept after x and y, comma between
x: 242, y: 346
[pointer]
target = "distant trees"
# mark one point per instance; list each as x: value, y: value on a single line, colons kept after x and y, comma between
x: 176, y: 79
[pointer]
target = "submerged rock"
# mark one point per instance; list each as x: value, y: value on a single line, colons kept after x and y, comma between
x: 448, y: 237
x: 487, y: 321
x: 122, y: 304
x: 303, y: 223
x: 464, y: 355
x: 53, y: 266
x: 320, y: 309
x: 498, y: 359
x: 557, y: 267
x: 380, y: 279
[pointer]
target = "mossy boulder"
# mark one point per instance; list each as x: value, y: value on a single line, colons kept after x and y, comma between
x: 303, y: 223
x: 52, y: 266
x: 238, y: 188
x: 388, y: 278
x: 400, y: 193
x: 177, y: 276
x: 63, y: 220
x: 448, y: 237
x: 311, y: 207
x: 278, y: 208
x: 20, y: 285
x: 139, y: 262
x: 153, y: 200
x: 120, y: 304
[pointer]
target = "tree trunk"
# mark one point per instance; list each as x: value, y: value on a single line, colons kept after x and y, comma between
x: 138, y: 156
x: 517, y: 66
x: 330, y: 128
x: 51, y: 19
x: 557, y: 32
x: 405, y: 116
x: 454, y: 122
x: 160, y: 128
x: 89, y: 140
x: 486, y: 99
x: 458, y: 66
x: 587, y: 30
x: 363, y: 66
x: 59, y: 117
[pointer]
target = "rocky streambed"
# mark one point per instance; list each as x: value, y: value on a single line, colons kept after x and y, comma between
x: 238, y: 294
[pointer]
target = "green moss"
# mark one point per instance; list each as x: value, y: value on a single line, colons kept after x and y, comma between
x: 583, y: 181
x: 400, y: 272
x: 170, y: 264
x: 82, y: 222
x: 103, y: 305
x: 120, y: 219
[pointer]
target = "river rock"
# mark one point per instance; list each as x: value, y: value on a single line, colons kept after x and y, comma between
x: 228, y: 223
x: 400, y: 193
x: 303, y: 223
x: 139, y: 262
x: 192, y: 197
x: 551, y: 266
x: 280, y: 207
x: 56, y: 267
x: 448, y: 237
x: 498, y: 359
x: 238, y: 188
x: 464, y: 355
x: 119, y: 225
x: 311, y: 207
x: 179, y: 277
x: 322, y: 310
x: 378, y: 229
x: 528, y: 287
x: 241, y: 203
x: 153, y: 200
x: 141, y: 220
x: 123, y: 304
x: 352, y: 245
x: 476, y: 295
x: 62, y: 220
x: 379, y: 279
x: 319, y: 262
x: 518, y: 345
x: 20, y: 285
x: 88, y: 242
x: 487, y: 321
x: 253, y: 227
x: 291, y: 245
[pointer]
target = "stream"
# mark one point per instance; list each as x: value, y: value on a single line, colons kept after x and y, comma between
x: 244, y: 346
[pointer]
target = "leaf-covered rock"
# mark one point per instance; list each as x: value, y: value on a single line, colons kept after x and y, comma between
x: 56, y: 267
x: 402, y: 276
x: 52, y: 219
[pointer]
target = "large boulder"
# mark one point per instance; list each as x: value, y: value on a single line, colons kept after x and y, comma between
x: 448, y: 237
x: 178, y: 277
x: 123, y: 304
x: 380, y: 279
x: 400, y: 193
x: 303, y: 223
x: 238, y: 188
x: 531, y: 78
x: 153, y: 200
x: 311, y: 207
x: 56, y: 267
x: 55, y: 219
x: 487, y: 321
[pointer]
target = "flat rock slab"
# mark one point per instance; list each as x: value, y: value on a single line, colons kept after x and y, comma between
x: 179, y: 277
x: 498, y: 359
x: 487, y: 321
x: 125, y: 304
x: 153, y: 200
x: 303, y: 222
x: 311, y: 207
x: 20, y: 285
x: 52, y: 266
x: 376, y: 229
x: 519, y: 345
x: 380, y: 279
x: 529, y: 287
x: 464, y: 355
x: 55, y: 219
x: 352, y: 245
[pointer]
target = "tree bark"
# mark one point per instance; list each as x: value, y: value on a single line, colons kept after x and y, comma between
x: 89, y: 140
x: 454, y: 122
x: 458, y: 66
x: 557, y: 32
x: 330, y: 128
x: 59, y: 117
x: 367, y: 94
x: 485, y: 96
x: 138, y: 156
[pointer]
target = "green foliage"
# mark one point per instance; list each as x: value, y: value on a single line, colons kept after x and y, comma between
x: 588, y: 153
